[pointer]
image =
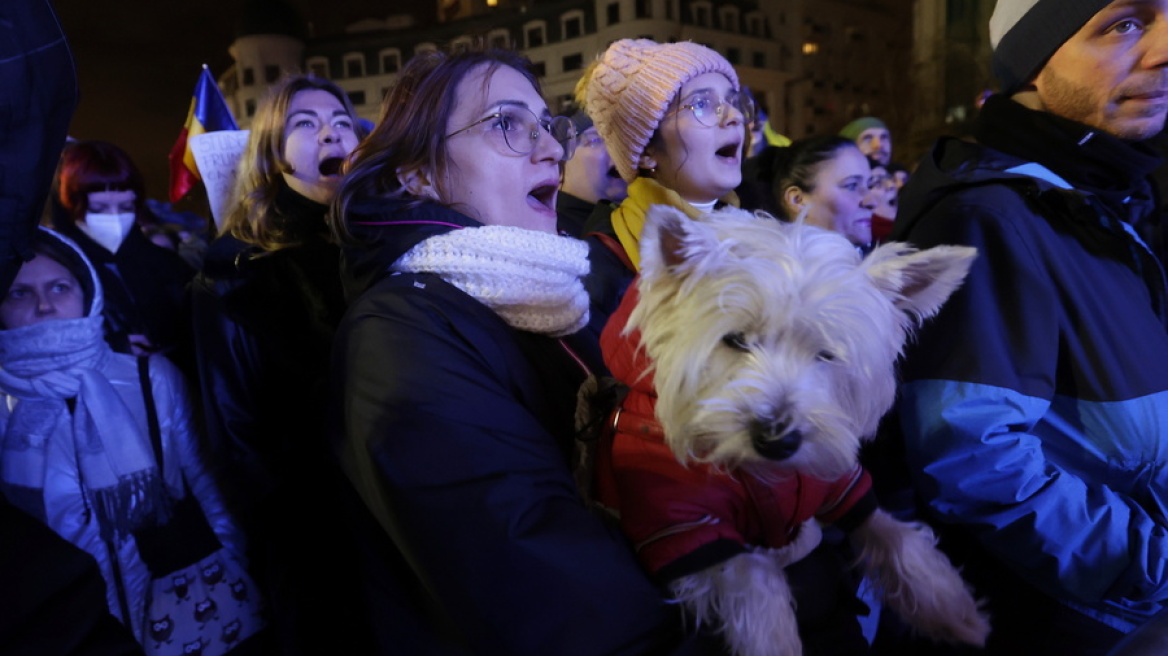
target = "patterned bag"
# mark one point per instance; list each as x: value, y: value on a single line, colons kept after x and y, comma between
x: 200, y: 599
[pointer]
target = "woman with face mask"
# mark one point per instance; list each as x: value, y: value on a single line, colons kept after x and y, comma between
x: 456, y: 383
x: 265, y: 306
x: 100, y: 447
x: 103, y: 202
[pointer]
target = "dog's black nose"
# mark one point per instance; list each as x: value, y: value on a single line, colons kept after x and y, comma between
x: 762, y: 436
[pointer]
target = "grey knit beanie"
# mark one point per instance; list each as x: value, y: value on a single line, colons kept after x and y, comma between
x: 1025, y: 33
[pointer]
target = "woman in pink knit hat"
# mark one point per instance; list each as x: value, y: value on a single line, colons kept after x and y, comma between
x: 674, y: 119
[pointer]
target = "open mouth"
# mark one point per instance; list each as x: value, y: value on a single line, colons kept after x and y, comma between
x: 331, y: 166
x: 545, y: 195
x: 729, y: 151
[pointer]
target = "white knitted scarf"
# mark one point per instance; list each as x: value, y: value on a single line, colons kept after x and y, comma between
x: 531, y: 279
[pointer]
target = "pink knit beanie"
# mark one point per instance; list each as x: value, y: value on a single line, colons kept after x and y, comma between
x: 628, y: 90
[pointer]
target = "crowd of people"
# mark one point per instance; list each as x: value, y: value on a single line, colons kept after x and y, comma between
x: 353, y: 426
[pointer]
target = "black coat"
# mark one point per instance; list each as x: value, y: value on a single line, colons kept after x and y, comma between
x: 457, y: 430
x: 38, y: 94
x: 264, y: 325
x: 145, y: 292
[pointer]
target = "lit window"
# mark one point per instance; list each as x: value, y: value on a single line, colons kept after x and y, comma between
x: 810, y: 48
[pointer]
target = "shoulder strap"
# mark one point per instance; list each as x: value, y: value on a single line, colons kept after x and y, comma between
x: 151, y: 411
x: 616, y: 247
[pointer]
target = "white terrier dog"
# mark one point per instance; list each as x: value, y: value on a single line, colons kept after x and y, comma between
x: 771, y: 350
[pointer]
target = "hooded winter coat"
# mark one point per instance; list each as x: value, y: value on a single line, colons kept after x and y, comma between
x: 48, y: 462
x: 457, y: 430
x: 1034, y: 408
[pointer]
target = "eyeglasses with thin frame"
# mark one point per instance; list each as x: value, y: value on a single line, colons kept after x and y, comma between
x: 520, y: 129
x: 710, y: 110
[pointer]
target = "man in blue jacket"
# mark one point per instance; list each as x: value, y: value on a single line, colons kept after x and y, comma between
x: 1034, y: 409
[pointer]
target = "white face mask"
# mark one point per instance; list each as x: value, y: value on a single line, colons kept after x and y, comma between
x: 109, y: 230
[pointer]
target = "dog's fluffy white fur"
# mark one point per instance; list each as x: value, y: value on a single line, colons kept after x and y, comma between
x: 758, y: 330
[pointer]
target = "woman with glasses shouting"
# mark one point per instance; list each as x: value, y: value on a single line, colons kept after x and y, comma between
x: 456, y: 382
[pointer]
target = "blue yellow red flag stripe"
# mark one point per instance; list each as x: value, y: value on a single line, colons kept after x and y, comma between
x: 208, y: 113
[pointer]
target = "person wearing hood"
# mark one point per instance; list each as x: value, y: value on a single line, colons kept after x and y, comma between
x: 1033, y: 407
x: 265, y: 307
x: 102, y: 205
x: 455, y: 379
x: 100, y: 447
x: 44, y: 576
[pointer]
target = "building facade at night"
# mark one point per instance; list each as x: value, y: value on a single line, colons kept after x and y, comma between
x: 813, y: 64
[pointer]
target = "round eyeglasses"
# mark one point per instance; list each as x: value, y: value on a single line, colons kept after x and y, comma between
x: 519, y: 128
x: 710, y: 111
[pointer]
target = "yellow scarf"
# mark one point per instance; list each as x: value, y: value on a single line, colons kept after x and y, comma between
x: 628, y: 220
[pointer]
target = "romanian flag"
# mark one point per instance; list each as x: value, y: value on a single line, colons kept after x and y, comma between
x: 208, y: 113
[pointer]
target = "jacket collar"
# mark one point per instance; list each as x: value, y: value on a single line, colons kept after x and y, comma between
x: 384, y: 230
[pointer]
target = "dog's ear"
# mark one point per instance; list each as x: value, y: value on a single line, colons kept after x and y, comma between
x: 919, y: 282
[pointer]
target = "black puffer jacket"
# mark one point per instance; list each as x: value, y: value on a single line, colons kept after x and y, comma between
x: 457, y: 430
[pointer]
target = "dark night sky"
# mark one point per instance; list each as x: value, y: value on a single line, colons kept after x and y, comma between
x: 138, y: 60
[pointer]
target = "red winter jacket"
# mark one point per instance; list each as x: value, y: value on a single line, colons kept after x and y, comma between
x: 685, y: 518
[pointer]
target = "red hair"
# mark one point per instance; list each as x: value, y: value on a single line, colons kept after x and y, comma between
x: 89, y: 166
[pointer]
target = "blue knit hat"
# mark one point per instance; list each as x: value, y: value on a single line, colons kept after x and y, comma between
x: 1025, y: 33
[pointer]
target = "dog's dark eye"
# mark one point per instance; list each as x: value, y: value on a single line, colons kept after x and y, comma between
x: 736, y: 341
x: 825, y: 356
